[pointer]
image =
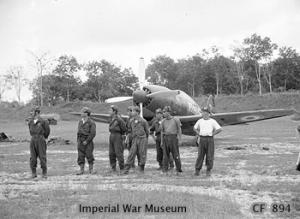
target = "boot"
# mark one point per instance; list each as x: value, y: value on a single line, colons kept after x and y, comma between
x: 142, y: 168
x: 126, y: 170
x: 33, y: 173
x: 160, y: 167
x: 91, y: 171
x: 44, y: 173
x: 81, y: 171
x: 197, y: 173
x: 208, y: 173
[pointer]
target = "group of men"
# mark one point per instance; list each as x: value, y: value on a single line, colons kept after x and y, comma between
x: 132, y: 134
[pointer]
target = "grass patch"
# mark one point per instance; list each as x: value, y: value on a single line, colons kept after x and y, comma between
x: 63, y: 204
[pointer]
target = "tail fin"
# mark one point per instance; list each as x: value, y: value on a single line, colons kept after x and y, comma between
x: 210, y: 104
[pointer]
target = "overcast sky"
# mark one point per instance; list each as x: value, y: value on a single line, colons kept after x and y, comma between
x: 121, y: 31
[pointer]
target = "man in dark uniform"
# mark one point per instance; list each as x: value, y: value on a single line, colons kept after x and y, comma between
x: 171, y: 137
x: 85, y: 145
x: 117, y: 128
x: 39, y: 131
x: 155, y: 132
x: 128, y: 140
x: 140, y: 133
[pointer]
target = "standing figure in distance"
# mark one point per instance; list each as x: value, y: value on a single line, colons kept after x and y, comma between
x: 206, y: 128
x: 85, y: 145
x: 117, y: 128
x: 128, y: 139
x: 171, y: 138
x: 140, y: 134
x: 39, y: 130
x: 155, y: 132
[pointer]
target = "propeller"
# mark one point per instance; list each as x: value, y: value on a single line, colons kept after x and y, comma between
x: 117, y: 99
x: 141, y: 76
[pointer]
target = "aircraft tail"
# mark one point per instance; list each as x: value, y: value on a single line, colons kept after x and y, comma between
x: 210, y: 103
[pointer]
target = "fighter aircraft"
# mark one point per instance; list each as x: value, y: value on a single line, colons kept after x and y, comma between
x: 151, y: 97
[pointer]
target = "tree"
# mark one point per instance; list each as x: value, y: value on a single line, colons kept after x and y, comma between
x: 42, y: 64
x: 65, y: 69
x: 190, y: 75
x: 267, y: 70
x: 15, y: 77
x: 106, y: 80
x: 162, y: 71
x: 3, y: 86
x: 287, y: 69
x: 240, y: 58
x: 258, y: 49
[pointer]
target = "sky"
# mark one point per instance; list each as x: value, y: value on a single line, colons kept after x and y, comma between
x: 122, y: 31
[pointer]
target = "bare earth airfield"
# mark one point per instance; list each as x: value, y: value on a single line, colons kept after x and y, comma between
x: 261, y: 171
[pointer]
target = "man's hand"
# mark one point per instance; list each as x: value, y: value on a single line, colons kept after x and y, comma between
x: 179, y: 142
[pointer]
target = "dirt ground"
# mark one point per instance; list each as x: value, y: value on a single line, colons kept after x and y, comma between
x: 262, y: 171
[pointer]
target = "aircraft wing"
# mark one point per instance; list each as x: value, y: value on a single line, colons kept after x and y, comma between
x: 98, y: 117
x: 233, y: 118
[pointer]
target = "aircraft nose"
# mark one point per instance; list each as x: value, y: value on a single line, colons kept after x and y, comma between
x: 140, y: 96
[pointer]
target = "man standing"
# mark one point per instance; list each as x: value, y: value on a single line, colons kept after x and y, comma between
x: 85, y: 145
x: 39, y: 131
x: 117, y: 128
x: 206, y: 128
x: 140, y: 133
x: 128, y: 140
x: 171, y: 138
x: 155, y: 132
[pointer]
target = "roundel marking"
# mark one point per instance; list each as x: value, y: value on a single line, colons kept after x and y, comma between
x: 250, y: 118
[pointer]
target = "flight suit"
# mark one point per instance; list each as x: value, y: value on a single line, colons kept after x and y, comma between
x: 86, y: 132
x: 117, y: 128
x: 129, y: 137
x: 170, y: 143
x: 128, y: 133
x: 39, y: 131
x: 140, y: 133
x: 156, y: 128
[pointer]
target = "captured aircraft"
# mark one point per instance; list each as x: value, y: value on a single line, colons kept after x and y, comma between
x: 151, y: 97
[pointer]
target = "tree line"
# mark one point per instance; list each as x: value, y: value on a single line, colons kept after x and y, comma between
x: 251, y: 69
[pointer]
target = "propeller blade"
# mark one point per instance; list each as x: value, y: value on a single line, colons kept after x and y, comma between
x: 117, y: 99
x: 141, y: 109
x: 141, y: 73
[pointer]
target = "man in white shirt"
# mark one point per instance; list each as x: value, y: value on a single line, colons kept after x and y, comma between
x: 206, y: 128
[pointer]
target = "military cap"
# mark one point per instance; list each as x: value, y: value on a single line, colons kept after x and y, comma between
x: 205, y: 109
x: 136, y: 109
x: 158, y: 110
x: 130, y: 108
x: 167, y: 109
x: 114, y: 108
x: 86, y: 110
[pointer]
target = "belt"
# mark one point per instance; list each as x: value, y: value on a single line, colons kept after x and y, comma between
x: 205, y: 136
x: 170, y: 134
x: 115, y: 132
x: 36, y: 135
